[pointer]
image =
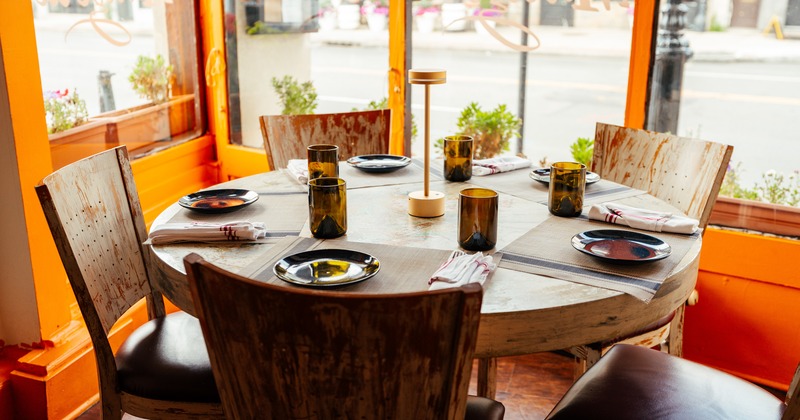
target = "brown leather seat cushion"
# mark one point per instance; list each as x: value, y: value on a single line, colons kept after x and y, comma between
x: 632, y: 382
x: 479, y: 408
x: 166, y: 359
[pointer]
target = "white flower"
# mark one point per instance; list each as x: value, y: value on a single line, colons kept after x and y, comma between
x: 770, y: 173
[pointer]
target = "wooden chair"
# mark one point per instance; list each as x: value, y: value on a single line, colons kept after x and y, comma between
x: 162, y: 369
x: 356, y: 133
x: 632, y: 382
x: 292, y: 353
x: 685, y: 173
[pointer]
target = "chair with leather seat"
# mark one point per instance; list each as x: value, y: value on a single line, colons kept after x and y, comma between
x: 286, y: 352
x: 162, y: 369
x: 634, y: 382
x: 356, y: 133
x: 687, y: 174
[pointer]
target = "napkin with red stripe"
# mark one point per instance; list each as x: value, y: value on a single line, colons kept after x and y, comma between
x: 496, y: 165
x: 299, y: 170
x: 460, y: 269
x: 642, y: 219
x: 206, y: 232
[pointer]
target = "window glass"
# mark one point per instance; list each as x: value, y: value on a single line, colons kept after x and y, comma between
x: 117, y: 72
x: 576, y: 71
x: 332, y: 57
x: 741, y: 86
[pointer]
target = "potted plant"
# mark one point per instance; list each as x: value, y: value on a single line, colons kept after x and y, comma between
x: 349, y: 15
x: 492, y: 130
x: 376, y: 13
x: 295, y: 98
x: 151, y: 78
x: 582, y: 150
x: 64, y: 110
x: 72, y: 134
x: 426, y: 15
x: 485, y: 16
x: 326, y: 16
x: 454, y: 16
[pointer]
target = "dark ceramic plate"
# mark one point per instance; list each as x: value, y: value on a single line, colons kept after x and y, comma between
x: 326, y: 267
x: 218, y: 201
x: 379, y: 163
x: 543, y: 175
x: 621, y: 246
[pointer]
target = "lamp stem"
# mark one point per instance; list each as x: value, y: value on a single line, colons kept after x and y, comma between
x: 427, y: 138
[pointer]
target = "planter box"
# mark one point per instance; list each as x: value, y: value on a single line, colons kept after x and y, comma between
x: 756, y: 216
x: 134, y: 127
x: 77, y: 143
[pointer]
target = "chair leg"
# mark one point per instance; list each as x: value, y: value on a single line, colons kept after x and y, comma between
x: 674, y: 344
x: 585, y: 357
x: 487, y: 377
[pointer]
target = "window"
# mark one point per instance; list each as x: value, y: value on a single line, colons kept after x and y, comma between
x: 740, y: 86
x: 575, y: 72
x: 118, y: 72
x: 333, y: 58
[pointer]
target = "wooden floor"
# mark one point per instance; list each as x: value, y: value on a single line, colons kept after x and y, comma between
x: 529, y: 386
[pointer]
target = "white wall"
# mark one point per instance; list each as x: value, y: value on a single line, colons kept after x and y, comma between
x: 19, y: 318
x: 262, y: 57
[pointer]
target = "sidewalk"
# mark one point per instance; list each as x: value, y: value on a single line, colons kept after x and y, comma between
x: 737, y: 44
x: 732, y: 45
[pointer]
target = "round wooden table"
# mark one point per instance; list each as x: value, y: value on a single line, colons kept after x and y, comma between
x: 521, y: 314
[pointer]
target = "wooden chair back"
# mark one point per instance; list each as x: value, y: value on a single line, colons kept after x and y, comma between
x: 356, y: 133
x: 686, y: 173
x: 293, y: 353
x: 93, y: 211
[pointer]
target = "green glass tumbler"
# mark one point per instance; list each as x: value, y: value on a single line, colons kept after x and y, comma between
x: 567, y: 186
x: 327, y: 207
x: 458, y: 158
x: 477, y: 219
x: 323, y: 161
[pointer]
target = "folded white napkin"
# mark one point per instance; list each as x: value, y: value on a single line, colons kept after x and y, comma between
x: 460, y: 269
x: 491, y: 166
x: 642, y: 219
x: 206, y: 232
x: 299, y: 170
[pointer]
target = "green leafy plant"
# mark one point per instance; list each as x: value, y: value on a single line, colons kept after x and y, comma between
x: 296, y: 98
x: 779, y: 189
x: 714, y: 25
x: 151, y: 78
x: 582, y: 150
x: 64, y: 110
x: 774, y: 187
x: 731, y: 184
x: 492, y: 130
x: 384, y: 103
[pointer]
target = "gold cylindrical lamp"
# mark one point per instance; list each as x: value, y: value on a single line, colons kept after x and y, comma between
x: 426, y: 203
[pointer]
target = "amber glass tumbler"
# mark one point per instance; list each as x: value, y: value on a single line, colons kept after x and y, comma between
x: 323, y: 161
x: 567, y: 186
x: 327, y: 207
x: 458, y: 158
x: 477, y: 219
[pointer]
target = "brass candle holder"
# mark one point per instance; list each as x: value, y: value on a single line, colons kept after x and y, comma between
x: 426, y: 203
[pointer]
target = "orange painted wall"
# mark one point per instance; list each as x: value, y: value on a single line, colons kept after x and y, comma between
x: 747, y: 321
